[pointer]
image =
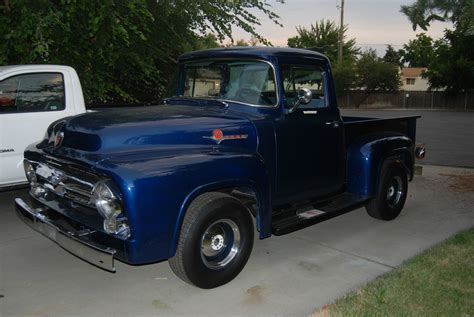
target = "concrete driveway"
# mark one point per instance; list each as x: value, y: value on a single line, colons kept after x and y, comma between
x: 290, y: 275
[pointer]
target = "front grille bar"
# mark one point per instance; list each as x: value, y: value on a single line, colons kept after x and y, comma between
x: 63, y: 184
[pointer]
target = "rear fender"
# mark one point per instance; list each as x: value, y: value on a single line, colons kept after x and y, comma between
x: 366, y: 155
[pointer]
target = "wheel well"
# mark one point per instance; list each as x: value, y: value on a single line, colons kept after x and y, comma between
x: 410, y: 164
x: 246, y: 195
x: 402, y: 158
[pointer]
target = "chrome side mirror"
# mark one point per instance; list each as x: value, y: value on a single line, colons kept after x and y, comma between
x: 305, y: 96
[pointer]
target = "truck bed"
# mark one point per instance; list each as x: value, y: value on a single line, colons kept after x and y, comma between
x: 359, y: 126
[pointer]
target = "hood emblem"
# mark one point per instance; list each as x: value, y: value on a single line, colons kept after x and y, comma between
x: 59, y: 139
x: 218, y: 136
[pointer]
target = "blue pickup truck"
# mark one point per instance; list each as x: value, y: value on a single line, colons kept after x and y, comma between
x: 253, y: 139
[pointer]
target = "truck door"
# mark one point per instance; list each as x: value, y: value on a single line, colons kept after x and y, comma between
x: 310, y: 147
x: 29, y: 102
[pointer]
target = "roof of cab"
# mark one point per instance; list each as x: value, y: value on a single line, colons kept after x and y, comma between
x: 251, y: 51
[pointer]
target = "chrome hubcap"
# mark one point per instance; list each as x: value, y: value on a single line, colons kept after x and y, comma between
x: 217, y: 242
x: 394, y: 191
x: 391, y: 192
x: 220, y: 243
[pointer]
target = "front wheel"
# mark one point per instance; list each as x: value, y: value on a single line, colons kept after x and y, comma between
x: 215, y: 242
x: 391, y: 193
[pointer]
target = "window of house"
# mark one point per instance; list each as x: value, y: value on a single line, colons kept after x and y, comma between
x: 297, y: 77
x: 410, y: 81
x: 32, y: 93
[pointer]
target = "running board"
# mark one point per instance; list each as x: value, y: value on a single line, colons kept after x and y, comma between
x: 296, y: 219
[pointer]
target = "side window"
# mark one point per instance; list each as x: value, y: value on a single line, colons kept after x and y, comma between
x: 32, y: 93
x: 297, y: 77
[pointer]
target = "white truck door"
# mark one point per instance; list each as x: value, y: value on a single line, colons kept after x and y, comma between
x: 29, y: 102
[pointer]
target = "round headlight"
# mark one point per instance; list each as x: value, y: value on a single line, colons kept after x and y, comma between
x: 30, y: 172
x: 106, y: 202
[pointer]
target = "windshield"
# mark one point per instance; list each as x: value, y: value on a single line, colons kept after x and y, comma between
x: 249, y: 82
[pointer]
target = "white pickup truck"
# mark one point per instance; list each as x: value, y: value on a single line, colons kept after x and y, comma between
x: 31, y: 98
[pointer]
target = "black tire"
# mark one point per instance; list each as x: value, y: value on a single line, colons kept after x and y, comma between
x: 215, y: 242
x: 391, y: 192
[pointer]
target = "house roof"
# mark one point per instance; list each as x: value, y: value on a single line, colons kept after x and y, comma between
x: 412, y: 71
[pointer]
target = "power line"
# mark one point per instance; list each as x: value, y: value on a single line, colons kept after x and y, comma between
x: 386, y: 44
x: 379, y: 44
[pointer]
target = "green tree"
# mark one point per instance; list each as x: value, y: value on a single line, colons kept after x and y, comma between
x: 369, y: 73
x: 206, y: 41
x: 123, y: 50
x: 345, y: 77
x: 373, y: 74
x: 241, y: 42
x: 422, y: 13
x: 254, y: 41
x: 452, y: 64
x: 323, y: 37
x: 392, y: 56
x: 452, y: 67
x: 418, y: 52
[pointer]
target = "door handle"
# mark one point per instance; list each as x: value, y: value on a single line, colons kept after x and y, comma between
x: 333, y: 124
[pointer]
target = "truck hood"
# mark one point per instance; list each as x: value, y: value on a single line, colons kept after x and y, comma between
x: 154, y: 128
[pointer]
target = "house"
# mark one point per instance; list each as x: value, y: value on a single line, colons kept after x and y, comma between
x: 412, y: 79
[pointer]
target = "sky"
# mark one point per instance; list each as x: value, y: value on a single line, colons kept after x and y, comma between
x: 373, y: 23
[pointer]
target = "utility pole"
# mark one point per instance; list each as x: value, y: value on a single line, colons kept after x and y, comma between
x: 341, y: 35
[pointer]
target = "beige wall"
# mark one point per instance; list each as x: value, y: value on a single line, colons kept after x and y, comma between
x: 421, y: 84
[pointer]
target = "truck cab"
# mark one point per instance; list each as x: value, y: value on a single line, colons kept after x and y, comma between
x: 31, y: 98
x: 250, y: 133
x: 309, y: 139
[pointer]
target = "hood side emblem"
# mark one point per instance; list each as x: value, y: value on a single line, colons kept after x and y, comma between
x: 218, y: 136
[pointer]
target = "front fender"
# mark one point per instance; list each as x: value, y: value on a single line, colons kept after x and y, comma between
x: 366, y: 155
x: 157, y: 193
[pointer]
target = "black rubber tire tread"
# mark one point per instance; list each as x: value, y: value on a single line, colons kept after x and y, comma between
x: 196, y: 209
x: 378, y: 207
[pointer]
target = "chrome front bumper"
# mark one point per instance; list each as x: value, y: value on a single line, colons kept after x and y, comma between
x: 71, y: 240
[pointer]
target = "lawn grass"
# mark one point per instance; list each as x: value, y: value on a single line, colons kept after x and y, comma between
x: 438, y: 282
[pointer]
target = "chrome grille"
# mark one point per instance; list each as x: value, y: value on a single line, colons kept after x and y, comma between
x: 67, y: 181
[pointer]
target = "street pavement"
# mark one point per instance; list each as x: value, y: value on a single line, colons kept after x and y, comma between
x: 290, y: 275
x: 448, y: 136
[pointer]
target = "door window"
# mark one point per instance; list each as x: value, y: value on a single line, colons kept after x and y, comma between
x: 297, y: 77
x: 32, y: 93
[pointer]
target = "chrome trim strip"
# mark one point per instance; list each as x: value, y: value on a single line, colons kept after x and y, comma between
x: 100, y: 256
x: 75, y: 189
x: 47, y: 168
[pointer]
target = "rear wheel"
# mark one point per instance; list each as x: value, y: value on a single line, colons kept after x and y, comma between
x: 391, y: 193
x: 215, y: 242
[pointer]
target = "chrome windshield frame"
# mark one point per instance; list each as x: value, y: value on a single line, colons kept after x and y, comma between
x: 277, y: 84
